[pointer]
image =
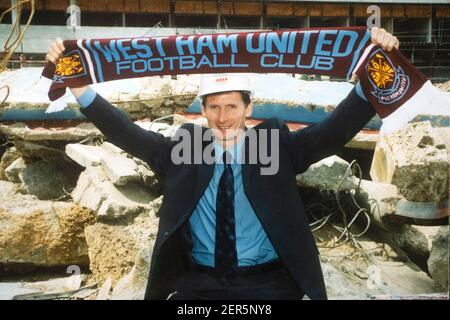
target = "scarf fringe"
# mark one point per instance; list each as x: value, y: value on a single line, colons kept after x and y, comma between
x: 57, y: 105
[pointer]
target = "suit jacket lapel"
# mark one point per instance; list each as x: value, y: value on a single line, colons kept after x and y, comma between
x: 204, y: 173
x: 247, y: 167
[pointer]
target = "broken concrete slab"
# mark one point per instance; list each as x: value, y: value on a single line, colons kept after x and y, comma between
x: 363, y: 140
x: 45, y: 150
x: 84, y: 155
x: 349, y: 276
x: 419, y: 238
x: 120, y: 166
x: 111, y: 147
x: 47, y: 180
x: 14, y: 170
x: 8, y: 290
x: 380, y: 200
x: 416, y: 241
x: 82, y: 293
x: 404, y: 279
x: 444, y: 135
x: 105, y: 290
x: 94, y: 190
x: 88, y: 194
x: 21, y: 131
x: 129, y: 287
x: 8, y: 157
x: 57, y: 284
x: 414, y: 159
x: 10, y: 190
x: 110, y: 209
x: 148, y: 176
x: 438, y: 262
x: 328, y: 174
x: 159, y: 127
x: 115, y: 248
x: 41, y: 233
x: 120, y: 169
x: 132, y: 286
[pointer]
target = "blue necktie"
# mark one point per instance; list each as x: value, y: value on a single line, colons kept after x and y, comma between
x: 225, y: 249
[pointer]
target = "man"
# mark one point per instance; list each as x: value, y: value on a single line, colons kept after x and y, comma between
x: 226, y: 230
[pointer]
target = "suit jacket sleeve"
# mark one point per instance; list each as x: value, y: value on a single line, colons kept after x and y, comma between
x: 148, y: 146
x: 323, y: 139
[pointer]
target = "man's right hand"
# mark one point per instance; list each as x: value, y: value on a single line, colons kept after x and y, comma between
x: 53, y: 54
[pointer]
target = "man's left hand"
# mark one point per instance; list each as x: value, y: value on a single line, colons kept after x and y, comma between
x: 383, y: 38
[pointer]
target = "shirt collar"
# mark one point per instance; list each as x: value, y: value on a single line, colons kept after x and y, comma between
x: 235, y: 150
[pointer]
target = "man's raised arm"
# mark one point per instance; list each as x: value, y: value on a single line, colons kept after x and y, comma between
x: 149, y: 146
x: 328, y: 137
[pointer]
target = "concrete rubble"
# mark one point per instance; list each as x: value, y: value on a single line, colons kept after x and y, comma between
x: 415, y: 159
x: 38, y: 233
x: 438, y: 264
x: 112, y: 185
x: 77, y: 286
x: 350, y: 276
x: 19, y: 131
x: 333, y: 173
x: 427, y: 246
x: 124, y: 193
x: 381, y: 200
x: 115, y: 246
x: 121, y: 253
x: 328, y: 174
x: 7, y: 159
x: 46, y: 180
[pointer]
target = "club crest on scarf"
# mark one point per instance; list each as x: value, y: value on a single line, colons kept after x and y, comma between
x: 69, y: 66
x: 389, y: 84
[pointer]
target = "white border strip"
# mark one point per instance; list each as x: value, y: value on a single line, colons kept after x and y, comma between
x: 89, y: 61
x: 363, y: 57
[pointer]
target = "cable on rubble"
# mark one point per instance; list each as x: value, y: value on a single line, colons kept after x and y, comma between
x: 326, y: 212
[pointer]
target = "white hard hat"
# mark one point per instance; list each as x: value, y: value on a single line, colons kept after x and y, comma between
x: 221, y: 82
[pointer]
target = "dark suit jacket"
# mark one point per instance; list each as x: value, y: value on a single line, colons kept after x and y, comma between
x: 274, y: 198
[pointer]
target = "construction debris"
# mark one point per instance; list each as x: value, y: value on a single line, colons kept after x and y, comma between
x: 113, y: 185
x: 21, y: 131
x: 40, y: 233
x: 328, y: 174
x: 414, y: 159
x: 369, y: 270
x: 8, y: 157
x: 77, y: 294
x: 47, y: 180
x: 115, y: 247
x: 438, y: 261
x: 381, y: 201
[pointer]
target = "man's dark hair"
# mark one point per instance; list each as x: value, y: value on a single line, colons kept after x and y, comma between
x: 244, y: 95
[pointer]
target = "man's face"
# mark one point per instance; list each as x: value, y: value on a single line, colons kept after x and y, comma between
x: 226, y: 113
